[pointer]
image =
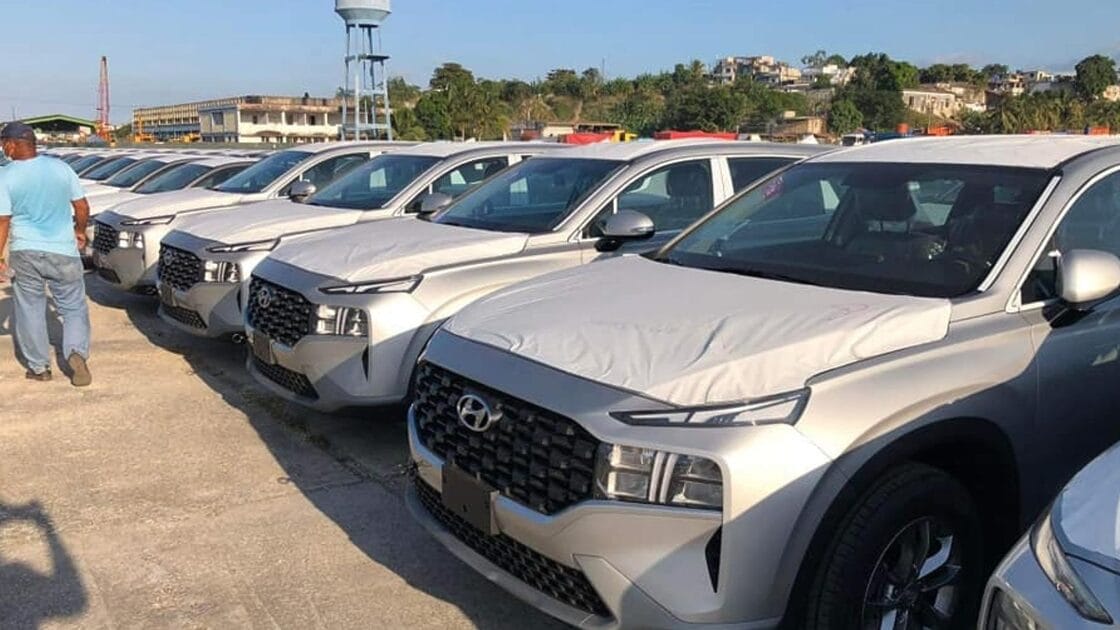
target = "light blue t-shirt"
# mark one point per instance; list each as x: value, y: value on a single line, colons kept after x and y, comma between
x: 37, y: 193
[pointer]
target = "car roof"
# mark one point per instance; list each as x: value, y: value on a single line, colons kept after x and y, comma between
x: 630, y: 151
x: 320, y: 147
x: 1026, y: 151
x: 448, y: 149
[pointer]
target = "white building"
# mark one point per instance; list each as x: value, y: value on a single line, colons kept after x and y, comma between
x: 762, y: 69
x: 248, y: 119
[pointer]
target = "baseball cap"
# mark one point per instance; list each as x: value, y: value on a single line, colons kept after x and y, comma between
x: 17, y: 131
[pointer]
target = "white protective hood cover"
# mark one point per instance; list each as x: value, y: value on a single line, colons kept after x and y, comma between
x: 1090, y: 507
x: 176, y: 202
x: 394, y: 248
x: 99, y: 189
x: 691, y: 337
x: 101, y: 203
x: 265, y: 220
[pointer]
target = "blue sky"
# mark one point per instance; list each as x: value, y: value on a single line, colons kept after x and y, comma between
x: 177, y: 50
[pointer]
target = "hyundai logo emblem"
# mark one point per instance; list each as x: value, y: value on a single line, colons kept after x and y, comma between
x: 475, y: 413
x: 168, y: 257
x: 264, y: 297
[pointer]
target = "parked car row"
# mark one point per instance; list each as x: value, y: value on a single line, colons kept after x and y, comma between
x: 665, y: 384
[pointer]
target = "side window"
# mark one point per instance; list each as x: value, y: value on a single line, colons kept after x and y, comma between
x: 1093, y: 222
x: 327, y: 171
x: 459, y: 180
x: 746, y: 171
x: 673, y: 196
x: 217, y: 176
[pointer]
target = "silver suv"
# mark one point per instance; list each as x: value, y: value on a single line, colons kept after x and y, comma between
x: 207, y: 260
x: 833, y: 402
x: 126, y: 237
x: 338, y: 318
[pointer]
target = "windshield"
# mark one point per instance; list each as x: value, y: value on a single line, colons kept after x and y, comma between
x: 128, y: 177
x: 932, y: 230
x: 535, y: 196
x: 108, y: 169
x: 82, y: 164
x: 262, y: 174
x: 374, y: 183
x: 175, y: 178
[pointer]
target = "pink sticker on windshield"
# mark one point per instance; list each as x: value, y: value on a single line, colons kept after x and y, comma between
x: 773, y: 188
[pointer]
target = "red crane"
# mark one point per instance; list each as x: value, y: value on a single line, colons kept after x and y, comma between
x: 103, y: 102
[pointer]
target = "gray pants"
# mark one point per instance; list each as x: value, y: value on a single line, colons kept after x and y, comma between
x: 34, y: 272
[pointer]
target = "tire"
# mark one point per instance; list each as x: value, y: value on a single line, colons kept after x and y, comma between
x: 859, y: 584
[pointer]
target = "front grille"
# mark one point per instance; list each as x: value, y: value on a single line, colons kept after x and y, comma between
x: 292, y: 381
x: 184, y: 316
x: 286, y: 319
x: 105, y: 238
x: 179, y: 268
x: 533, y: 456
x: 544, y: 574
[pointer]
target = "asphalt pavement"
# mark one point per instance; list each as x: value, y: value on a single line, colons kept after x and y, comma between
x: 173, y: 493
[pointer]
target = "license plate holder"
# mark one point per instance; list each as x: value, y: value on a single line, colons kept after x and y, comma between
x: 262, y: 348
x: 166, y: 294
x: 469, y: 499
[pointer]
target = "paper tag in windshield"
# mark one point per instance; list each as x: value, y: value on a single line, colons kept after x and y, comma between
x: 774, y: 188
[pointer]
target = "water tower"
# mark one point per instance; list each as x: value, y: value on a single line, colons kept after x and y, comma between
x: 365, y: 102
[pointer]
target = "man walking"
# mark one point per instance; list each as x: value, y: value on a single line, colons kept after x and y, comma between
x: 44, y: 210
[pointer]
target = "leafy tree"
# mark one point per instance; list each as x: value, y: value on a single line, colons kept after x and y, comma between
x: 432, y: 113
x: 698, y: 106
x: 837, y: 60
x: 994, y: 69
x: 815, y: 60
x: 450, y: 74
x: 563, y: 82
x: 401, y: 92
x: 906, y: 74
x: 844, y: 117
x: 641, y: 112
x: 1094, y: 74
x: 876, y: 90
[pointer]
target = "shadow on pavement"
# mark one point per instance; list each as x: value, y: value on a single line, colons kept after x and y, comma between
x: 372, y: 445
x: 29, y: 597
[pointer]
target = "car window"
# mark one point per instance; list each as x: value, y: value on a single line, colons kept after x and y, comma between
x: 107, y: 170
x: 462, y: 178
x: 748, y: 170
x: 133, y: 174
x: 1092, y: 222
x: 374, y: 184
x: 262, y: 174
x: 931, y: 230
x: 175, y: 178
x: 219, y: 176
x: 673, y: 196
x: 327, y: 171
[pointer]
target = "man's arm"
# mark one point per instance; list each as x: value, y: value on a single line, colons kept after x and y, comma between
x: 5, y: 227
x: 81, y: 220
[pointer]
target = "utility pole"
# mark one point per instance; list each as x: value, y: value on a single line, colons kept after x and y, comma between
x: 103, y: 102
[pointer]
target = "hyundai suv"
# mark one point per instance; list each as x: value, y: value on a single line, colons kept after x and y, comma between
x: 831, y: 403
x: 207, y: 260
x: 337, y: 319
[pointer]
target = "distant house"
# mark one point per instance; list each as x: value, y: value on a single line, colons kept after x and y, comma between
x: 1111, y: 93
x: 933, y: 100
x: 761, y: 69
x: 61, y: 128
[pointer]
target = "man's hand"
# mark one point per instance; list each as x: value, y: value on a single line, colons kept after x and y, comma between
x: 3, y: 270
x: 83, y: 240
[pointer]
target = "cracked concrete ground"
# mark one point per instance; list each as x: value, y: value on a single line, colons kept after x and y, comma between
x: 175, y: 494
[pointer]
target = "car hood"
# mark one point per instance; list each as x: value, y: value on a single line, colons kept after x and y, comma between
x: 394, y: 248
x: 266, y: 220
x: 693, y: 337
x: 176, y: 202
x: 97, y: 190
x: 101, y: 203
x: 1089, y: 510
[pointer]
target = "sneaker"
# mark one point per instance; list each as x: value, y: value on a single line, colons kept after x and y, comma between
x: 42, y: 377
x: 79, y: 371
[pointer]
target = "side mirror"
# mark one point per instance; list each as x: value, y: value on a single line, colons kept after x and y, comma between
x: 300, y: 191
x: 432, y: 203
x: 622, y: 227
x: 1087, y: 276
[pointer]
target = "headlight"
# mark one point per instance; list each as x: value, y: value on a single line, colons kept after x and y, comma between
x: 130, y: 239
x: 398, y: 285
x: 340, y: 320
x: 164, y: 220
x: 252, y: 246
x: 1062, y: 575
x: 221, y: 271
x: 642, y: 475
x: 780, y: 409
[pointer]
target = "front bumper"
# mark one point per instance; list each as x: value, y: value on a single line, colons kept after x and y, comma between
x: 131, y: 268
x: 326, y: 373
x: 1020, y: 587
x: 208, y: 309
x: 652, y: 566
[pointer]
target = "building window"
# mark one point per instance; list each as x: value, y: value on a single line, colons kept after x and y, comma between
x: 218, y: 118
x: 311, y: 121
x: 256, y: 119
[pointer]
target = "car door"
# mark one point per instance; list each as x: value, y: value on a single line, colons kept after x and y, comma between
x: 673, y: 196
x: 460, y: 179
x: 1077, y: 354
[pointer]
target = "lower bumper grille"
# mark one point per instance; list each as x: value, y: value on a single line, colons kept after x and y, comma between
x: 184, y: 316
x: 292, y: 381
x: 546, y: 575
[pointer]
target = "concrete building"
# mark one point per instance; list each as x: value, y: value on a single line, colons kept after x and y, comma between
x: 762, y: 69
x: 245, y: 119
x: 930, y: 99
x: 837, y: 76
